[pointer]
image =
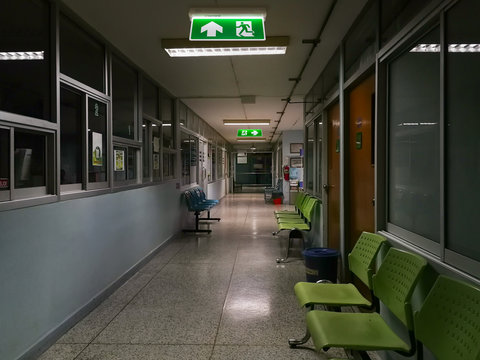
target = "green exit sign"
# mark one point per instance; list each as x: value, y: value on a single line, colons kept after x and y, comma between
x: 215, y: 28
x: 249, y: 133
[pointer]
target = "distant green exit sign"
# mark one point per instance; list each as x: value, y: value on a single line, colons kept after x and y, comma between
x: 249, y: 133
x: 213, y: 28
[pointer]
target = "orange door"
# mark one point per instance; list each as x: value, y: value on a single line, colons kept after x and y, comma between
x: 333, y: 189
x: 361, y: 168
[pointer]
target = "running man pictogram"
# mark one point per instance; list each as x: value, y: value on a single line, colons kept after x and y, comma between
x: 244, y: 29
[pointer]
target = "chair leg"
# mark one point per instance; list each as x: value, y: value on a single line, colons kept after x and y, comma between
x: 197, y: 229
x: 294, y: 342
x: 209, y: 218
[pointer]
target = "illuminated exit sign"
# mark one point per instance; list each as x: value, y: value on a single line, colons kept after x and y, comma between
x: 227, y: 28
x: 249, y: 133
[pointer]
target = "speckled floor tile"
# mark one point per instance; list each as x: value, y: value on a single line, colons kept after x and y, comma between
x: 163, y: 325
x: 241, y: 352
x: 62, y: 352
x: 146, y: 352
x: 89, y: 327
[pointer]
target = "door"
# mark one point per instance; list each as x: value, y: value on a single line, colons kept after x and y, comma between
x: 361, y: 164
x: 333, y: 187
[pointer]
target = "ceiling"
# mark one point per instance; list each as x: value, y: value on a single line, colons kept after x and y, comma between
x: 213, y: 86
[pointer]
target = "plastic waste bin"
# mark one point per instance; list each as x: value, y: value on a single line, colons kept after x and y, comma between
x: 321, y: 264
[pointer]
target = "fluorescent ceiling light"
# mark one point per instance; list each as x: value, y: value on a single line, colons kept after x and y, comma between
x: 22, y: 55
x: 209, y: 13
x: 453, y: 48
x: 252, y: 139
x: 276, y: 45
x: 234, y: 51
x: 241, y: 122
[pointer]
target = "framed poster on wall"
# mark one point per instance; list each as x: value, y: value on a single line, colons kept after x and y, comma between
x: 295, y: 148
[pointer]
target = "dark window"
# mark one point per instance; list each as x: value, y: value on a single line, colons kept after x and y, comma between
x: 156, y: 144
x: 125, y: 163
x: 167, y: 123
x: 124, y: 90
x: 150, y: 99
x: 70, y: 137
x: 97, y: 141
x: 25, y: 84
x: 81, y: 57
x: 462, y: 129
x: 168, y: 165
x: 146, y: 148
x: 395, y: 14
x: 414, y: 133
x: 29, y: 159
x: 4, y: 160
x: 310, y: 149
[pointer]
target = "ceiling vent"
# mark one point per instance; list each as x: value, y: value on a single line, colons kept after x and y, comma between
x: 248, y: 99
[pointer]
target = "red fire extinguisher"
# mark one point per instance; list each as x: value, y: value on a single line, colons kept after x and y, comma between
x: 286, y: 172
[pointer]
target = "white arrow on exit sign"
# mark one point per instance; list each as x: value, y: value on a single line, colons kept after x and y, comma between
x: 254, y: 132
x: 211, y: 28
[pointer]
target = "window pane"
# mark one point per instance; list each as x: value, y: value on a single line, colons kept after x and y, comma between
x: 150, y: 99
x: 185, y: 153
x: 156, y: 139
x: 167, y: 110
x: 463, y: 127
x: 395, y: 14
x: 120, y: 168
x: 81, y: 57
x: 25, y: 84
x: 124, y: 89
x: 4, y: 160
x: 310, y: 147
x: 132, y: 164
x: 168, y: 165
x: 97, y: 141
x: 414, y: 151
x: 214, y: 162
x: 29, y: 159
x: 70, y: 137
x: 146, y: 148
x: 193, y: 159
x: 318, y: 172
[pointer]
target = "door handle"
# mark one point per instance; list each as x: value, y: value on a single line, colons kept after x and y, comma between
x: 325, y: 187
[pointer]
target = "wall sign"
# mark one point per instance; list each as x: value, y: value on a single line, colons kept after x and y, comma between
x: 249, y: 133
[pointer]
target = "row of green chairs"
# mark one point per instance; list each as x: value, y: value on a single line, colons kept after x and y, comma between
x: 448, y: 322
x: 297, y: 221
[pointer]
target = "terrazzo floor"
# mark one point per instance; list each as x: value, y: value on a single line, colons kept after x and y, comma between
x: 217, y: 296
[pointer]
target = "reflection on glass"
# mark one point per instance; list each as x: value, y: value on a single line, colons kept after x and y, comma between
x: 185, y: 158
x: 156, y: 143
x: 310, y: 146
x: 168, y: 137
x: 146, y: 149
x: 414, y: 166
x: 97, y: 141
x: 29, y: 159
x: 150, y: 99
x: 25, y: 85
x: 462, y: 129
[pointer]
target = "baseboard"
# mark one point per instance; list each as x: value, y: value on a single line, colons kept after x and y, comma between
x: 51, y: 337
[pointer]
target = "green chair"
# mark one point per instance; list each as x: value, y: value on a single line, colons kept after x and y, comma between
x: 310, y: 201
x: 299, y: 208
x: 393, y: 285
x: 361, y: 262
x: 448, y: 323
x: 298, y: 201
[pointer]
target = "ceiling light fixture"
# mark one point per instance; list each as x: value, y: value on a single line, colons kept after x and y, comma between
x: 275, y: 45
x: 241, y: 122
x: 252, y: 140
x: 452, y: 48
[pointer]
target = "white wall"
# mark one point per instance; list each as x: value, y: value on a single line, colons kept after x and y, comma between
x: 56, y: 258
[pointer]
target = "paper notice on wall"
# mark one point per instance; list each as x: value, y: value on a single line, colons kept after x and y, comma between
x: 156, y: 144
x: 97, y: 149
x: 119, y: 160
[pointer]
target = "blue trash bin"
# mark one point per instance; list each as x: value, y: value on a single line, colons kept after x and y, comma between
x: 321, y: 264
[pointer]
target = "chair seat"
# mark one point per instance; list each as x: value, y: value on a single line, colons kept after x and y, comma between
x: 285, y: 212
x: 290, y: 220
x: 356, y: 331
x: 282, y: 216
x: 292, y: 226
x: 329, y: 294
